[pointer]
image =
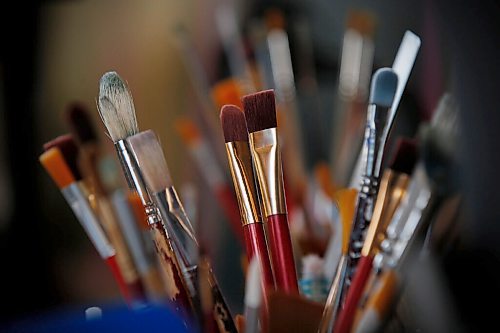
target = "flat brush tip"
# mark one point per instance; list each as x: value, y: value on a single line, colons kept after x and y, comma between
x: 260, y: 110
x: 81, y: 123
x: 233, y: 123
x: 149, y: 155
x: 383, y: 87
x: 55, y: 165
x: 405, y: 157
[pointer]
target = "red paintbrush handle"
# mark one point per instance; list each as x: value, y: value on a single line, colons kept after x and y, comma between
x: 122, y: 285
x: 282, y: 254
x: 255, y: 241
x: 346, y: 315
x: 229, y: 205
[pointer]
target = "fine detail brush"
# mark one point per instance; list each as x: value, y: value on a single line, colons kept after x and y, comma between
x: 240, y: 163
x: 383, y: 88
x: 87, y: 160
x: 60, y: 172
x: 117, y: 112
x: 148, y: 155
x: 211, y: 172
x: 346, y: 202
x: 260, y: 114
x: 399, y: 171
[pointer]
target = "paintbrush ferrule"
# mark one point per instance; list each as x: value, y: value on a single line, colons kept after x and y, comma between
x: 172, y: 210
x: 267, y: 162
x: 240, y: 164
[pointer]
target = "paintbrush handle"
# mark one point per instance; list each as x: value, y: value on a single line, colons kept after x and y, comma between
x: 282, y: 254
x: 346, y: 315
x: 255, y: 241
x: 122, y: 285
x: 362, y: 218
x: 175, y: 285
x: 229, y: 205
x: 222, y: 314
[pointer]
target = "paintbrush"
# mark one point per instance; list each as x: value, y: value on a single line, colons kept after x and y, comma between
x: 392, y: 188
x: 60, y: 172
x: 147, y: 153
x: 353, y: 88
x: 211, y: 172
x: 87, y: 160
x: 260, y: 114
x: 240, y: 163
x: 383, y: 88
x: 117, y: 112
x: 346, y: 202
x: 402, y: 66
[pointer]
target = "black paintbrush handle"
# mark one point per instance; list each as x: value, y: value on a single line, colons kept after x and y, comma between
x: 221, y: 310
x: 362, y: 218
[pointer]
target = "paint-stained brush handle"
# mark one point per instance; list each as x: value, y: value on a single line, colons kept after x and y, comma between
x: 282, y: 254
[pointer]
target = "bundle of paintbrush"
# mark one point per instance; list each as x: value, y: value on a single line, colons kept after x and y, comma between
x: 351, y: 227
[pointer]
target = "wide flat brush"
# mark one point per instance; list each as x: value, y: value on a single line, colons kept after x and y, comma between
x: 148, y: 154
x: 117, y: 112
x: 399, y: 171
x: 260, y: 115
x: 240, y: 163
x: 87, y: 160
x: 346, y: 202
x: 60, y: 172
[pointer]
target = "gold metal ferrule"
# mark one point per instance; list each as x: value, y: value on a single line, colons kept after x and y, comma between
x: 267, y: 163
x: 240, y: 164
x: 392, y: 190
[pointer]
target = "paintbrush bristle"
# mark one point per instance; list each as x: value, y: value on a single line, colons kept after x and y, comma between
x: 55, y: 165
x: 81, y: 123
x: 383, y: 87
x: 233, y: 123
x: 260, y: 110
x: 405, y: 156
x: 69, y: 151
x: 116, y: 107
x: 149, y: 155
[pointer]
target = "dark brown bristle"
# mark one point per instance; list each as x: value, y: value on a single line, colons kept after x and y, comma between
x: 69, y: 150
x: 260, y: 111
x: 233, y: 123
x: 81, y: 123
x: 405, y: 157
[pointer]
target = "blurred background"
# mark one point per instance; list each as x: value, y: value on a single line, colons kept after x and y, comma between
x: 54, y: 52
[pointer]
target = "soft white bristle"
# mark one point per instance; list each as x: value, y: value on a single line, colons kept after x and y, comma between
x: 147, y: 150
x: 253, y: 291
x: 312, y: 266
x: 93, y: 313
x: 116, y: 107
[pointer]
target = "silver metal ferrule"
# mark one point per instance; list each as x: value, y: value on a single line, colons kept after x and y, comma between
x: 85, y: 215
x: 136, y: 181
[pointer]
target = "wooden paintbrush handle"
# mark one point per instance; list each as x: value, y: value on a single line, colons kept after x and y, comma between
x: 222, y: 314
x: 122, y: 285
x: 346, y: 316
x: 282, y: 254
